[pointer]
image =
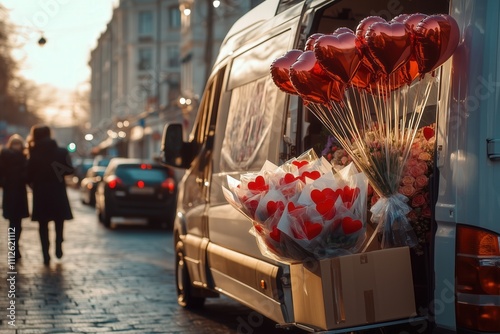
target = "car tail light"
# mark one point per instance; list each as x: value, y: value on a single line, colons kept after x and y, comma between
x: 140, y: 184
x: 168, y: 184
x: 478, y: 279
x: 114, y: 182
x: 146, y: 166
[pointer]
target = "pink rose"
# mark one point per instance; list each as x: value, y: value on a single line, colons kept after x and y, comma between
x: 344, y: 160
x: 415, y: 152
x: 417, y: 170
x: 411, y: 162
x: 421, y: 181
x: 407, y: 180
x: 424, y: 156
x: 426, y: 212
x: 407, y: 190
x: 412, y: 215
x: 418, y: 200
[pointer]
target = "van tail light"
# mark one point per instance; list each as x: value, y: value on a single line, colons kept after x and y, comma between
x: 114, y: 182
x: 168, y: 184
x: 477, y: 279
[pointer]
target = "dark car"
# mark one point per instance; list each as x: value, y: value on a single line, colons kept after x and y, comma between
x: 81, y: 168
x: 88, y: 185
x: 132, y: 188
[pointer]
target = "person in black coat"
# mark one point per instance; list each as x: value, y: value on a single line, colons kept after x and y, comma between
x: 47, y: 166
x: 15, y: 199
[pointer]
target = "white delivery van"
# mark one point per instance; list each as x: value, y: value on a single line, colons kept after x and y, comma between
x: 244, y: 120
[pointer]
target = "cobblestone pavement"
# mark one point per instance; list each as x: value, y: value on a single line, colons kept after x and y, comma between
x: 119, y: 280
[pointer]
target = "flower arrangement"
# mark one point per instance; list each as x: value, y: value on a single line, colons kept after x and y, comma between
x: 369, y: 88
x: 414, y: 181
x: 302, y: 210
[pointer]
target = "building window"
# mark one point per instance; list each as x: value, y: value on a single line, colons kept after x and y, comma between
x: 174, y: 17
x: 145, y: 23
x: 145, y: 59
x: 173, y: 56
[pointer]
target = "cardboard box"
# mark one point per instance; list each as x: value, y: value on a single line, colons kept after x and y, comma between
x: 353, y: 290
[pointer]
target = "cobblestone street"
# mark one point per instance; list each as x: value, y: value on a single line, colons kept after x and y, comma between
x: 119, y: 280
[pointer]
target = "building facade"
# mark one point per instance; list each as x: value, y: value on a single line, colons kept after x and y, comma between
x: 149, y: 68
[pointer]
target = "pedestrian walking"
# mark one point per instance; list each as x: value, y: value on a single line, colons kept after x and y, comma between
x: 13, y: 174
x: 47, y: 166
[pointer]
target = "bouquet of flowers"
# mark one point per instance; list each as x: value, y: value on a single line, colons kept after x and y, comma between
x: 302, y: 210
x: 369, y: 88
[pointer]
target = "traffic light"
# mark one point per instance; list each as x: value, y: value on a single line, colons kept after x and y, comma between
x: 71, y: 147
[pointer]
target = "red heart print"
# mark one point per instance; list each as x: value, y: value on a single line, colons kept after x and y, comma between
x: 275, y: 234
x: 349, y: 194
x: 312, y: 229
x: 259, y: 228
x: 252, y: 206
x: 292, y: 207
x: 300, y: 164
x: 289, y: 178
x: 327, y: 208
x: 258, y: 185
x: 350, y: 225
x: 319, y: 196
x: 314, y: 175
x: 273, y: 206
x: 428, y: 132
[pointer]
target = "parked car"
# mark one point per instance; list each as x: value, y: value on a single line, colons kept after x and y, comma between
x: 88, y: 185
x: 81, y: 167
x: 134, y: 188
x: 101, y: 161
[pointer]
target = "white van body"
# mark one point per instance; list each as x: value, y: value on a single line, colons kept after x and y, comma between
x: 244, y: 120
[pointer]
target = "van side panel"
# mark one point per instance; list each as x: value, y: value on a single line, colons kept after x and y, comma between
x: 469, y: 114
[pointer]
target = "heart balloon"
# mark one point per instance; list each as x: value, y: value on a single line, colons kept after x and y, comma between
x: 404, y: 75
x: 338, y: 55
x: 413, y: 20
x: 280, y: 71
x: 436, y: 38
x: 363, y: 76
x: 361, y: 30
x: 389, y: 45
x: 312, y: 82
x: 342, y: 30
x: 311, y: 40
x: 401, y: 18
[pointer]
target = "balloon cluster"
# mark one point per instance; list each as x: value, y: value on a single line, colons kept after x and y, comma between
x: 378, y: 57
x: 369, y: 89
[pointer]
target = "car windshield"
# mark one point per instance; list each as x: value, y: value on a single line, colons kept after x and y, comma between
x: 131, y: 173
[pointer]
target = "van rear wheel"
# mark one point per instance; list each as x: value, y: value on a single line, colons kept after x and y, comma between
x: 185, y: 296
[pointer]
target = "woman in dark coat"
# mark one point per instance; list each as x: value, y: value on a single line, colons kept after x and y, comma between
x: 47, y: 166
x: 15, y: 199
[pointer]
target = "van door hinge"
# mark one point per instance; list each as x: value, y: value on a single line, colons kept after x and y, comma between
x: 493, y: 149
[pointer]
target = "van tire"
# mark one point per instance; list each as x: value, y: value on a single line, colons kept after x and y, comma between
x: 185, y: 296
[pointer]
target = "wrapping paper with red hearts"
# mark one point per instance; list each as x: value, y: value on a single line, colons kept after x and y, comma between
x: 302, y: 210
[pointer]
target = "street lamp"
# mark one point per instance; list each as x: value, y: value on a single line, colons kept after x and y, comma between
x: 89, y: 137
x: 216, y: 3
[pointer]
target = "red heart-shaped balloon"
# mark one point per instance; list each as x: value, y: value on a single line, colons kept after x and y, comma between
x: 404, y: 75
x: 312, y: 82
x: 361, y: 30
x: 400, y: 18
x: 342, y: 30
x: 350, y: 225
x: 436, y: 38
x: 280, y: 70
x: 300, y: 164
x: 311, y: 40
x: 338, y: 55
x: 389, y: 45
x: 273, y: 206
x: 258, y: 185
x: 275, y: 234
x: 363, y: 76
x: 312, y: 229
x: 413, y: 20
